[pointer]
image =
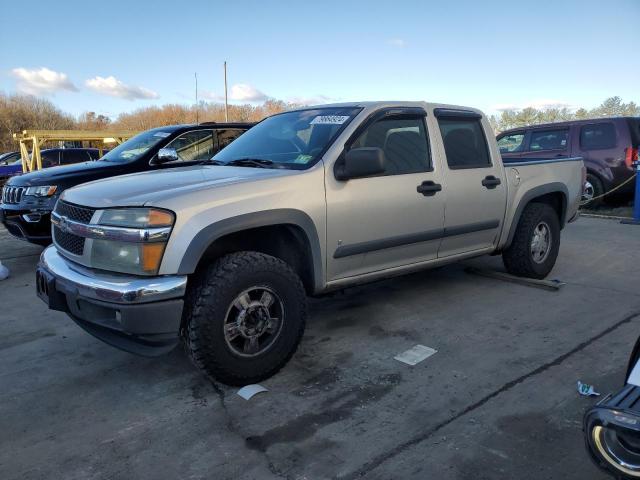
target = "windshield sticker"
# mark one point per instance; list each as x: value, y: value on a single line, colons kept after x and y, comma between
x: 161, y: 134
x: 329, y: 119
x: 303, y: 158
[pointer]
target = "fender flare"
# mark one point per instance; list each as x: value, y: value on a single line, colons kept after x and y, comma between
x: 554, y: 187
x: 285, y: 216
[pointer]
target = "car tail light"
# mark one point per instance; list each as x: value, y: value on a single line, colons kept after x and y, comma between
x: 630, y: 156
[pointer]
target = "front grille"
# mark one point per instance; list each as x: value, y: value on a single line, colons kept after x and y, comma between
x: 74, y: 212
x: 65, y: 240
x: 12, y: 195
x: 68, y: 241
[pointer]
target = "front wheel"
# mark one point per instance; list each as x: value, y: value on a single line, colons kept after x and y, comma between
x: 244, y: 317
x: 536, y: 242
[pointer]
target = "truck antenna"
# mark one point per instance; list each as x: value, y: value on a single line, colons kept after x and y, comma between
x: 197, y: 105
x: 226, y: 106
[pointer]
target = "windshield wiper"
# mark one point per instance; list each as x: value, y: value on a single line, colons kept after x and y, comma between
x: 211, y: 161
x: 250, y: 162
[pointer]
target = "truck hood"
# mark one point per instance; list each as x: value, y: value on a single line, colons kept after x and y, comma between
x: 68, y: 175
x: 151, y: 187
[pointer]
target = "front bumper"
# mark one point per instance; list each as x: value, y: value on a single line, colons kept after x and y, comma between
x: 141, y: 315
x: 30, y: 225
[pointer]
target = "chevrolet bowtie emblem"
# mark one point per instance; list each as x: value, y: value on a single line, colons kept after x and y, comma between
x: 63, y: 224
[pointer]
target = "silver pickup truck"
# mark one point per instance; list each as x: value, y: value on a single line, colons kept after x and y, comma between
x: 223, y: 255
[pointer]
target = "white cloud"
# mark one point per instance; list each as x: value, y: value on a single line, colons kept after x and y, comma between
x: 42, y: 81
x: 240, y: 92
x: 311, y: 100
x: 397, y: 42
x: 115, y: 88
x: 539, y: 104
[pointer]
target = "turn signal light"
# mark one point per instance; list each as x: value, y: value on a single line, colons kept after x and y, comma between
x: 151, y: 256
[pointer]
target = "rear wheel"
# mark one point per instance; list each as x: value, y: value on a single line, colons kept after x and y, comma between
x: 536, y: 242
x: 593, y: 188
x: 244, y: 318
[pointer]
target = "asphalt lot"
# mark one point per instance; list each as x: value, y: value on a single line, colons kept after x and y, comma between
x: 497, y: 401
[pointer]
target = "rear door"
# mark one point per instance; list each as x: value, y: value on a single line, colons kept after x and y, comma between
x: 473, y: 182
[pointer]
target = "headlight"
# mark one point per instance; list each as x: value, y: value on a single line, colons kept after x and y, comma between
x: 137, y: 242
x: 42, y: 191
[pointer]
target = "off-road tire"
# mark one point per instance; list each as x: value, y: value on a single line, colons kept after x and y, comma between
x: 206, y: 306
x: 518, y: 258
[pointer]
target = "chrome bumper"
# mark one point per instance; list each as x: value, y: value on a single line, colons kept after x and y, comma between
x: 111, y: 287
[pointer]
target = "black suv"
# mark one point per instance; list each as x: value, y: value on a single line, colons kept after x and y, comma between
x: 27, y: 200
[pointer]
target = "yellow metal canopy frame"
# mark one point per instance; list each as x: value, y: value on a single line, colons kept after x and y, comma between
x: 36, y: 138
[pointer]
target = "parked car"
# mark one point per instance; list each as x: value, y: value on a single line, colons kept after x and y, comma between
x: 612, y: 427
x: 10, y: 164
x: 27, y: 200
x: 608, y: 147
x: 53, y: 157
x: 308, y: 201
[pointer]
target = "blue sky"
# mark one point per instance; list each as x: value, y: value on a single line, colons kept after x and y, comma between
x: 116, y: 56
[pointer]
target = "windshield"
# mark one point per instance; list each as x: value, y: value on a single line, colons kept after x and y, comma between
x: 136, y: 146
x: 289, y: 140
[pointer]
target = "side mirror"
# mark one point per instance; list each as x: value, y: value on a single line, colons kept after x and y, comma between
x: 361, y: 162
x: 166, y: 155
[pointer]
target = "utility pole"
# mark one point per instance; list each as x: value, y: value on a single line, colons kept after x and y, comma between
x: 197, y: 106
x: 226, y: 104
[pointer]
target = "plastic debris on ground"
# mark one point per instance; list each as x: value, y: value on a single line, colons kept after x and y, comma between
x: 4, y: 272
x: 587, y: 390
x: 249, y: 391
x: 415, y: 355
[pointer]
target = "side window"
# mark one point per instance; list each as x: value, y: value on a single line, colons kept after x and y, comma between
x: 94, y: 154
x: 598, y: 136
x: 227, y: 135
x: 50, y: 159
x: 548, y: 140
x: 464, y: 143
x: 193, y: 146
x: 73, y: 156
x: 404, y: 142
x: 511, y: 143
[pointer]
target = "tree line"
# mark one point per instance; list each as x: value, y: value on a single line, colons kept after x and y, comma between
x: 611, y: 107
x: 20, y: 112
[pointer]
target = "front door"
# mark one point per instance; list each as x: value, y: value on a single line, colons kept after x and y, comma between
x: 381, y: 222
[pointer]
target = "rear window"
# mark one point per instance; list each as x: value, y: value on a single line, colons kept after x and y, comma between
x: 634, y: 129
x: 548, y: 140
x: 464, y: 143
x: 598, y: 136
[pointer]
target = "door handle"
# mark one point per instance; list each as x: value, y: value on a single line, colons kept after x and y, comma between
x: 491, y: 182
x: 429, y: 188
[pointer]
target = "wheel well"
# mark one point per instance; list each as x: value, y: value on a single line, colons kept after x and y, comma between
x: 555, y: 200
x: 287, y: 242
